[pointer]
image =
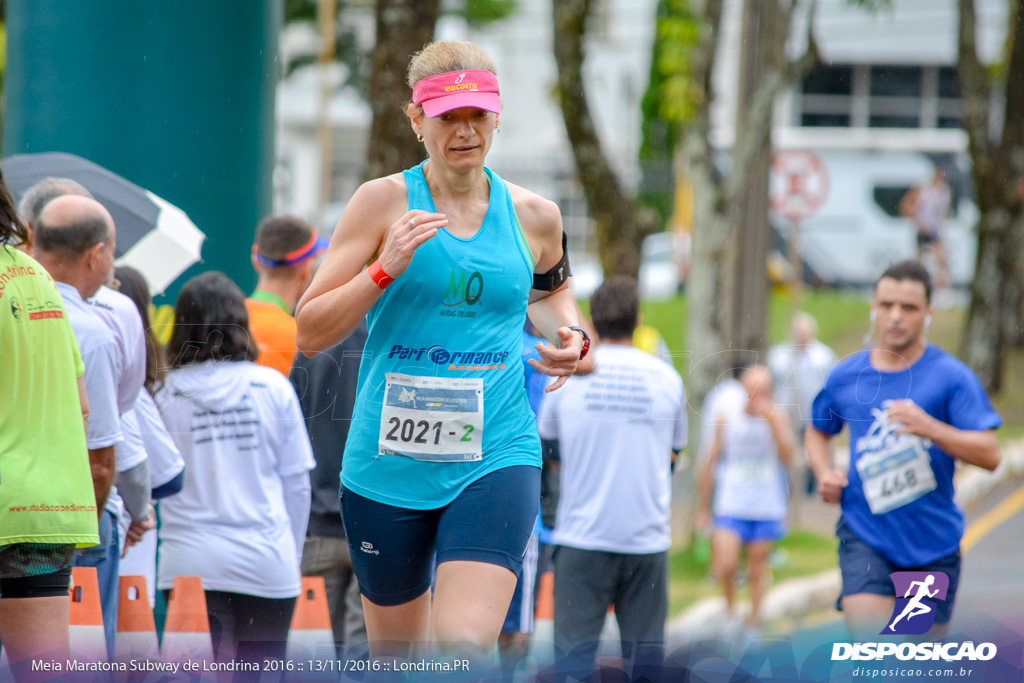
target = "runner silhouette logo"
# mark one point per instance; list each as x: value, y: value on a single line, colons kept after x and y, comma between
x: 916, y: 596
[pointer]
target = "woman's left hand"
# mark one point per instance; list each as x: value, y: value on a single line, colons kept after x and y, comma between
x: 559, y: 362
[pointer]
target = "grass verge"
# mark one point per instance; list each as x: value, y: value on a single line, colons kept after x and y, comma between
x: 801, y: 553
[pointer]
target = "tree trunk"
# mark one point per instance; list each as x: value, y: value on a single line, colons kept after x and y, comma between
x: 997, y: 166
x: 620, y: 222
x: 745, y: 314
x: 403, y: 28
x: 715, y: 290
x: 710, y: 231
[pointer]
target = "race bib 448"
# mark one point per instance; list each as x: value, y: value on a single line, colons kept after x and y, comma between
x: 897, y: 475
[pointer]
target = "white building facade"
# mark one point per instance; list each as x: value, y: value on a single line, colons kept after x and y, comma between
x: 884, y: 97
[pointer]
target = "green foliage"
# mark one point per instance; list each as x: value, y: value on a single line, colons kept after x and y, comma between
x: 345, y: 50
x: 479, y: 13
x: 299, y: 10
x: 872, y: 5
x: 667, y: 104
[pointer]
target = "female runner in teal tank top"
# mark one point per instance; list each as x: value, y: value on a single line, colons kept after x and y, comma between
x: 442, y: 453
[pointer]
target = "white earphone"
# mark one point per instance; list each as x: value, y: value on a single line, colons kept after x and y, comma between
x: 927, y: 320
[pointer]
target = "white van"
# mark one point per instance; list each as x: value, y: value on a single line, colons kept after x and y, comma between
x: 664, y: 265
x: 858, y: 232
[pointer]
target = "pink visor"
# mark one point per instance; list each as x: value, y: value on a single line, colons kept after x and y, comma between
x: 444, y: 92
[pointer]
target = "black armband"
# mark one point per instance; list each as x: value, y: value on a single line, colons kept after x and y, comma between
x: 554, y: 278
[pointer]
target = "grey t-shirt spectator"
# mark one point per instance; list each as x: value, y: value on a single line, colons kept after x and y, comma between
x: 326, y: 385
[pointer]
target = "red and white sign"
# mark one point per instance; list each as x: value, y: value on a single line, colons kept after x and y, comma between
x: 798, y: 185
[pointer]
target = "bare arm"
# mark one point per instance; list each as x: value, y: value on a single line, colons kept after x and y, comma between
x: 705, y: 483
x: 101, y: 464
x: 554, y: 312
x: 83, y: 401
x: 785, y: 442
x: 341, y: 293
x: 831, y: 482
x: 973, y: 447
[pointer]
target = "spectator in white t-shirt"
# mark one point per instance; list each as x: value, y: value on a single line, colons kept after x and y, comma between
x: 240, y: 520
x: 745, y: 468
x: 129, y: 498
x: 75, y: 241
x: 617, y: 431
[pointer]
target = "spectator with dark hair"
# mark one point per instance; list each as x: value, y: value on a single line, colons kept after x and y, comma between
x: 133, y: 285
x: 618, y: 430
x: 166, y: 466
x: 36, y: 197
x: 924, y: 412
x: 240, y: 519
x: 47, y: 501
x: 75, y: 240
x: 284, y: 257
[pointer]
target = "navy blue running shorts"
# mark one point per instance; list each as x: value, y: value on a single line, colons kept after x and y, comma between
x: 865, y: 570
x: 393, y: 548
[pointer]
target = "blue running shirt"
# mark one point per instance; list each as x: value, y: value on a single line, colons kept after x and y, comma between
x: 441, y: 400
x: 915, y: 519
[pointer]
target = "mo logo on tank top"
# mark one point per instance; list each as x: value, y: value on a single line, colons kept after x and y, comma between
x: 464, y: 289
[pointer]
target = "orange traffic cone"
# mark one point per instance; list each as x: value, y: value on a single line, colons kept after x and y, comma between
x: 86, y: 638
x: 187, y: 628
x: 542, y: 644
x: 311, y: 636
x: 609, y: 652
x: 136, y: 630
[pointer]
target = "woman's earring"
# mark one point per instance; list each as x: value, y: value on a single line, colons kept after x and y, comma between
x: 419, y: 137
x: 497, y: 129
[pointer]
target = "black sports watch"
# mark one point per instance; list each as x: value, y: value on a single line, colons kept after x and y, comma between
x: 586, y: 341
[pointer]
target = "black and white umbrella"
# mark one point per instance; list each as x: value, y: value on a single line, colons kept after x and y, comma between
x: 153, y: 236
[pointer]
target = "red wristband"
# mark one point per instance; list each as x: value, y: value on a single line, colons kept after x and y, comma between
x: 377, y: 274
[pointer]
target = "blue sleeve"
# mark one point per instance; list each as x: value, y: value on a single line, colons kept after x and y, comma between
x: 969, y: 406
x: 169, y: 488
x: 824, y: 415
x: 534, y: 381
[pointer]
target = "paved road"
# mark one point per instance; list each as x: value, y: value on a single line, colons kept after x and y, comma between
x: 993, y: 567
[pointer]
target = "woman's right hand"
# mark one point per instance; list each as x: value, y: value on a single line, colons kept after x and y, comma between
x: 405, y: 235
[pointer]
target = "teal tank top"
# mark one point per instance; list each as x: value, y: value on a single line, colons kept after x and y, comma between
x: 441, y: 399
